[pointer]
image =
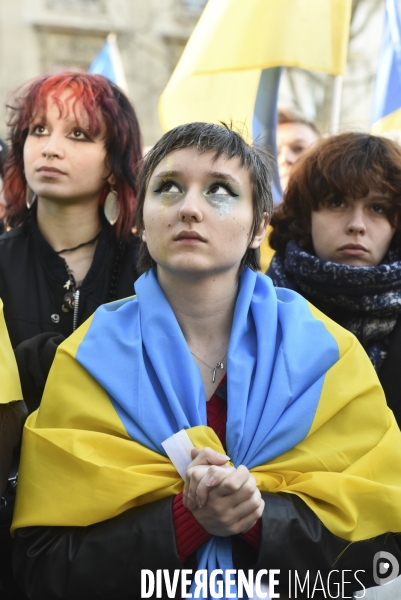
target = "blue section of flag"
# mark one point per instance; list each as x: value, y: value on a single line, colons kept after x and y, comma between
x: 137, y: 352
x: 103, y: 64
x: 387, y: 91
x: 264, y: 121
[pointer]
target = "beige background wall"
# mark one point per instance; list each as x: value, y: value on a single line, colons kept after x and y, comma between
x: 39, y: 36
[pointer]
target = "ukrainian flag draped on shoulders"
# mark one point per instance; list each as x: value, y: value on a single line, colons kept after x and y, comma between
x: 306, y: 415
x: 10, y: 387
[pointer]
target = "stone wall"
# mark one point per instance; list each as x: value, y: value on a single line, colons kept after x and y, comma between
x: 41, y: 36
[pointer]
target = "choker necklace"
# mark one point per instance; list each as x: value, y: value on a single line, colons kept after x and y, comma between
x: 220, y: 365
x: 92, y: 241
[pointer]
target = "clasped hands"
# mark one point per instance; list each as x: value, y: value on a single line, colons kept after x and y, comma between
x: 223, y: 499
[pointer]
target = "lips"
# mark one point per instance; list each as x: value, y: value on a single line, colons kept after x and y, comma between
x: 189, y: 235
x: 353, y: 247
x: 353, y: 250
x: 50, y: 170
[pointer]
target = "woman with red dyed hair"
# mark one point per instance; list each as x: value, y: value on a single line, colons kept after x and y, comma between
x: 70, y: 187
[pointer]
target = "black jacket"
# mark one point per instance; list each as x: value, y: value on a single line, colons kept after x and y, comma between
x: 104, y: 561
x: 32, y: 280
x: 390, y: 373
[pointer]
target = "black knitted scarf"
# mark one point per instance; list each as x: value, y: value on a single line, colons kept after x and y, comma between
x: 364, y: 300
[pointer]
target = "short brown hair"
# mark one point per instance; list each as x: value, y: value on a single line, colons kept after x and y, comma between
x: 286, y: 115
x: 222, y: 140
x: 344, y: 165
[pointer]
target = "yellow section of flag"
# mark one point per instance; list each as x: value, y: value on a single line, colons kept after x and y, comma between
x: 391, y: 122
x: 10, y: 388
x: 218, y: 74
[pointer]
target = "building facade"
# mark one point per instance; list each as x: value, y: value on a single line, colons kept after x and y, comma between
x: 42, y: 36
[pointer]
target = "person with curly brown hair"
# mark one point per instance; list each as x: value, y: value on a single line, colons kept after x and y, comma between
x: 337, y: 241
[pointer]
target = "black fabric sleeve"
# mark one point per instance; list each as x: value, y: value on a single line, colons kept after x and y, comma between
x: 294, y: 540
x: 390, y: 373
x: 12, y: 417
x: 34, y: 359
x: 102, y: 561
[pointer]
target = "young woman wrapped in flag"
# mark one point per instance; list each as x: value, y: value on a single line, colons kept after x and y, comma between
x: 249, y: 372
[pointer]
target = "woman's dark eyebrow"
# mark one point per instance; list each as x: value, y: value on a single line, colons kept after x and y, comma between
x: 211, y: 174
x: 224, y: 177
x: 165, y: 174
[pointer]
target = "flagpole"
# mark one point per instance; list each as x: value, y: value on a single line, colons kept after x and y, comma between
x: 336, y: 104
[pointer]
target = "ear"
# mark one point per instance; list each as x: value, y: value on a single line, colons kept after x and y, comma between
x: 111, y: 179
x: 143, y: 236
x: 261, y: 232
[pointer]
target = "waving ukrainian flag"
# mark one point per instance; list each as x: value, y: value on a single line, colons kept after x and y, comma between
x: 306, y: 414
x: 386, y: 108
x: 10, y: 387
x: 108, y: 63
x: 218, y: 75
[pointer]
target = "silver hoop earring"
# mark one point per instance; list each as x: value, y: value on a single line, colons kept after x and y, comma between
x: 30, y: 197
x: 111, y: 206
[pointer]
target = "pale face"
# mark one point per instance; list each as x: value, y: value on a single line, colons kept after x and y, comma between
x: 198, y: 214
x: 353, y: 232
x: 292, y: 140
x: 77, y: 172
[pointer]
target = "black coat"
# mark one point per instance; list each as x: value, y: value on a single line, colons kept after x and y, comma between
x: 32, y: 280
x: 390, y: 373
x: 104, y: 561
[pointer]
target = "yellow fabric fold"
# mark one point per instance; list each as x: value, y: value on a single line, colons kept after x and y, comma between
x: 388, y: 123
x: 10, y: 386
x: 79, y: 466
x: 266, y: 252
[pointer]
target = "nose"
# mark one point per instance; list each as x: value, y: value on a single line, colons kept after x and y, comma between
x: 286, y: 156
x: 190, y: 209
x: 356, y: 223
x: 53, y: 146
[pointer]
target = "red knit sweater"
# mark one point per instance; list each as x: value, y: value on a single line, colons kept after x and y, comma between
x: 189, y: 534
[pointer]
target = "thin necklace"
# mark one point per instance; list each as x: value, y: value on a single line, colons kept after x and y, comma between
x: 92, y: 241
x: 220, y: 365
